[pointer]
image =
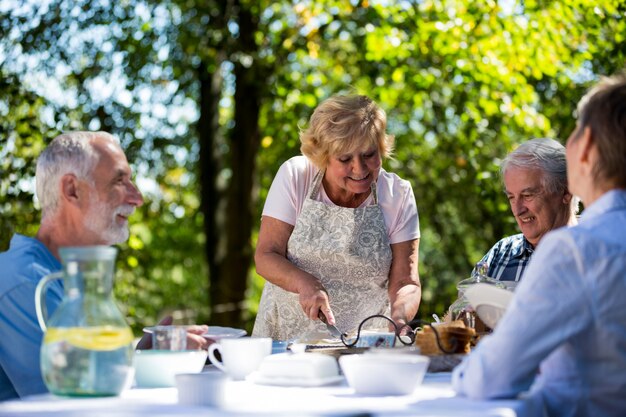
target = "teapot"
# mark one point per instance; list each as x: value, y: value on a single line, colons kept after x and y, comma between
x: 87, y: 345
x: 461, y: 308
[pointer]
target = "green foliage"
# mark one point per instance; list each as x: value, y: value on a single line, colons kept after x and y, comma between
x: 161, y: 270
x: 23, y: 135
x: 462, y: 82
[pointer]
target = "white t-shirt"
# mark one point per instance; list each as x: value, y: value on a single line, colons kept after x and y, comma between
x: 295, y: 178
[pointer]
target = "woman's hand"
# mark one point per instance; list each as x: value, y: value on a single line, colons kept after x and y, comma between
x: 313, y: 299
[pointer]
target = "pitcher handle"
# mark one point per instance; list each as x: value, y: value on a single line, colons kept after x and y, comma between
x: 40, y: 298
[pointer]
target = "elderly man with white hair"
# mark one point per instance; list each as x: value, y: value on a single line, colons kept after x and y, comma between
x: 86, y: 192
x: 535, y: 182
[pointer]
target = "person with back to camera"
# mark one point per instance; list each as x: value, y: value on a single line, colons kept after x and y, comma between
x: 339, y: 235
x: 85, y: 189
x: 535, y: 182
x: 563, y: 337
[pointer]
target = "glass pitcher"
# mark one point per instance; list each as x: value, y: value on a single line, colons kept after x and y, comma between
x: 461, y: 308
x: 87, y: 346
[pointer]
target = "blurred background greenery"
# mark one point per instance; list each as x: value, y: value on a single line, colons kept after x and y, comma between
x: 208, y: 98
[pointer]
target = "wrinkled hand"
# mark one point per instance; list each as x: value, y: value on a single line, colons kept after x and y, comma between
x: 195, y: 340
x: 402, y: 327
x: 313, y: 299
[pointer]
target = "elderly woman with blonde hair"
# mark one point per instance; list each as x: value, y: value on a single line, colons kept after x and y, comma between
x: 339, y: 235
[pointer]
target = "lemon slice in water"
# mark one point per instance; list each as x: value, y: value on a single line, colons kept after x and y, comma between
x: 91, y: 338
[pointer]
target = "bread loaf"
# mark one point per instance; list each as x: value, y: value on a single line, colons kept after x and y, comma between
x: 454, y: 337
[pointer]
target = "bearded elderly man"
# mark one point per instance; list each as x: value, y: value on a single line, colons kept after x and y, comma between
x: 535, y: 182
x: 86, y: 193
x: 563, y: 337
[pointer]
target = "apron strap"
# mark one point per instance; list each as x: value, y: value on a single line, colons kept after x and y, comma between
x: 317, y: 182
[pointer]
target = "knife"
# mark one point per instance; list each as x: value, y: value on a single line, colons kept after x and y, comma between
x: 332, y: 329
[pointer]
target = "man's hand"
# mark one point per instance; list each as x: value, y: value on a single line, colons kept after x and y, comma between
x: 195, y: 340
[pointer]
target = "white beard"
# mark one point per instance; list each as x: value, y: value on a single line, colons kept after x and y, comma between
x: 101, y: 219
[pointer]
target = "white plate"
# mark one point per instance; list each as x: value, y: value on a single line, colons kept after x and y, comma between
x: 218, y: 332
x: 489, y: 302
x: 257, y: 378
x: 215, y: 332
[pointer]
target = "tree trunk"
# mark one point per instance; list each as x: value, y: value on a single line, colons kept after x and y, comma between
x: 209, y: 166
x: 229, y: 285
x: 229, y: 212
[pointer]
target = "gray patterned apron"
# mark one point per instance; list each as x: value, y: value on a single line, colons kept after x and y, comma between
x: 348, y: 250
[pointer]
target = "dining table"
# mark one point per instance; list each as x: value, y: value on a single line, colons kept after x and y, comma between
x: 433, y: 397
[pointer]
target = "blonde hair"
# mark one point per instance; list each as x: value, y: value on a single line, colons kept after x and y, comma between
x: 342, y: 124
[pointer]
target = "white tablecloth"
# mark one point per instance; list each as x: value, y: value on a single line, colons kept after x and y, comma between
x: 434, y: 397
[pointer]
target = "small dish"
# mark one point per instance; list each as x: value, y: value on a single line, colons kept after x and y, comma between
x: 201, y: 389
x: 489, y: 302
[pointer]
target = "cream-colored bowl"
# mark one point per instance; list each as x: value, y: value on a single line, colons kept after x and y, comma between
x: 158, y: 368
x: 384, y: 373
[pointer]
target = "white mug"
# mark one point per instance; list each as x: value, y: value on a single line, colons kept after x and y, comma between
x: 240, y: 356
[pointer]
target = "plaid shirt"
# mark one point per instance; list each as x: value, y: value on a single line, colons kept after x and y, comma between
x: 508, y: 258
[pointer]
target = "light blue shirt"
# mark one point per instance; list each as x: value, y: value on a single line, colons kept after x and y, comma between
x: 21, y: 268
x: 563, y: 337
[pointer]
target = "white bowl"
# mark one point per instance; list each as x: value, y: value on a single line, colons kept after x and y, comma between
x: 158, y: 368
x: 204, y: 388
x: 384, y: 373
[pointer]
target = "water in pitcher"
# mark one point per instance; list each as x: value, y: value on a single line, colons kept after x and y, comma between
x: 87, y: 361
x: 87, y: 346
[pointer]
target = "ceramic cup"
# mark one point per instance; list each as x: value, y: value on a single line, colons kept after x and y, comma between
x: 240, y: 357
x: 279, y: 346
x: 204, y: 389
x: 376, y: 338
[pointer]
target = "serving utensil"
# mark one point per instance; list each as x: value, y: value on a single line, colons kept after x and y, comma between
x: 331, y: 328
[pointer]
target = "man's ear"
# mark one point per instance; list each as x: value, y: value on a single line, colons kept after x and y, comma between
x: 69, y: 188
x: 567, y: 197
